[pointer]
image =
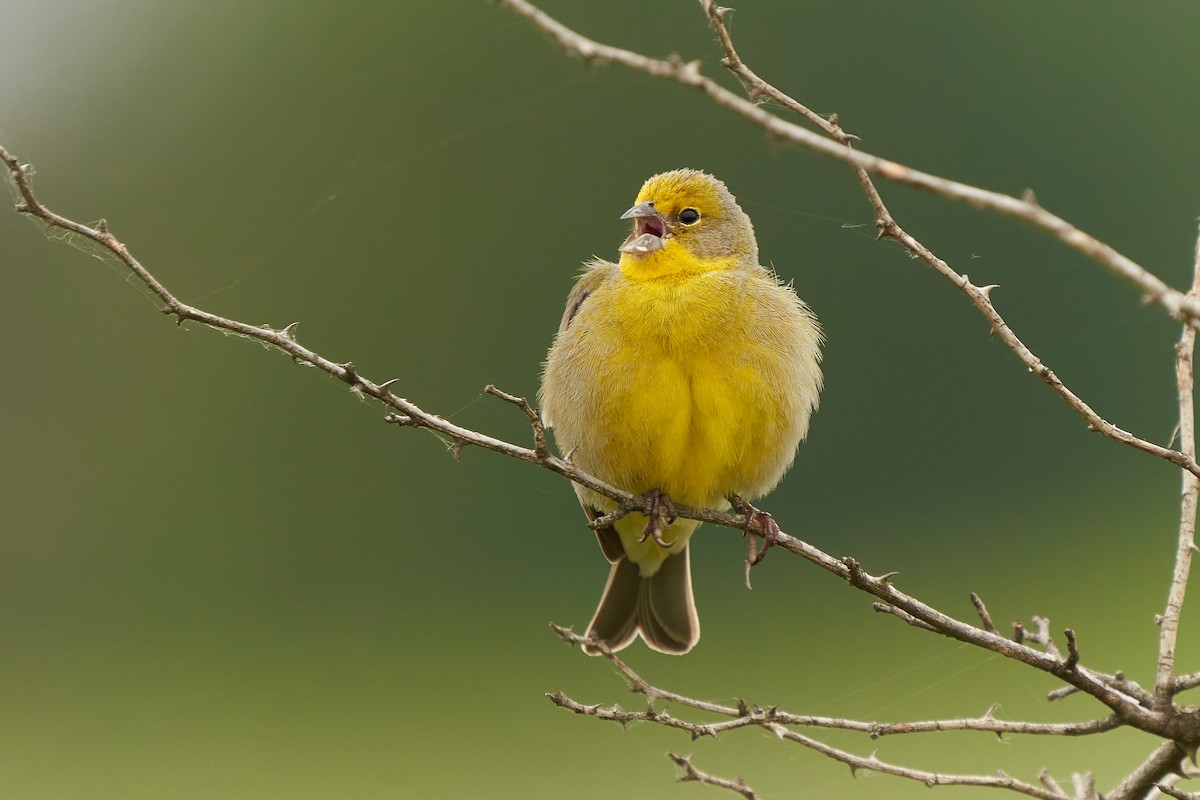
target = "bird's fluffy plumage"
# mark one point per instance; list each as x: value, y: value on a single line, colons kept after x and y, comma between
x: 690, y: 369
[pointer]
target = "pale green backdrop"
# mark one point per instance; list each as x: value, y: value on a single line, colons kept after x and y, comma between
x: 222, y: 576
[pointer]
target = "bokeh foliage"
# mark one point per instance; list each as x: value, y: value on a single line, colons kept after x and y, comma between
x: 223, y: 576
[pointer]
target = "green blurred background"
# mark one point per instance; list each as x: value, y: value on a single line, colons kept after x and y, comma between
x: 222, y: 576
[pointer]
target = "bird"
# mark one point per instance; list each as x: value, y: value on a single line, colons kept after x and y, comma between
x: 686, y: 372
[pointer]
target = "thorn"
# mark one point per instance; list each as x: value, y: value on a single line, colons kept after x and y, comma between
x: 720, y: 12
x: 833, y: 119
x: 1029, y: 197
x: 289, y: 331
x: 986, y: 291
x: 102, y: 226
x: 1158, y: 619
x: 886, y: 577
x: 991, y: 712
x: 383, y: 387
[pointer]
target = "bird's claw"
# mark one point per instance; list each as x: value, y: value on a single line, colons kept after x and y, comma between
x: 758, y: 524
x: 660, y: 506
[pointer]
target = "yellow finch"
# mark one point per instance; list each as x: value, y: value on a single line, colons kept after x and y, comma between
x: 687, y: 372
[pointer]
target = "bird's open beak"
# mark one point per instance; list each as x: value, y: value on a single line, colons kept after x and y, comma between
x: 649, y: 230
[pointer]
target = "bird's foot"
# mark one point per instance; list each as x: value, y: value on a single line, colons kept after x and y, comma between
x: 758, y: 524
x: 660, y: 506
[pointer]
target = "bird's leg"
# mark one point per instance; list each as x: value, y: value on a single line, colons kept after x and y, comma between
x: 758, y: 523
x: 660, y: 506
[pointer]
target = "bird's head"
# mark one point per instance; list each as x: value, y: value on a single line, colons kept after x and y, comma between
x: 686, y: 222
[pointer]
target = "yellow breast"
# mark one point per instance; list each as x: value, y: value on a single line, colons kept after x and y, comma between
x: 691, y: 400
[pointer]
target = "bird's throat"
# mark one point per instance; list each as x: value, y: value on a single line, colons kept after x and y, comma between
x: 672, y: 261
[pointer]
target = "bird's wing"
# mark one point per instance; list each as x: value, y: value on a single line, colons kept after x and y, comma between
x: 610, y: 540
x: 595, y: 273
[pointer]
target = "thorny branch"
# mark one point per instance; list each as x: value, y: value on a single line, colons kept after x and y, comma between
x: 1165, y: 685
x: 1128, y: 703
x: 1027, y: 209
x: 692, y: 773
x: 838, y: 146
x: 780, y: 723
x: 742, y: 715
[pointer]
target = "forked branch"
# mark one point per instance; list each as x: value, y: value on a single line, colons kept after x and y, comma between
x: 687, y: 73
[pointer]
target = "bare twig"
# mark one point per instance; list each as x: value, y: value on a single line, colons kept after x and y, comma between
x: 1085, y: 785
x: 884, y: 608
x: 1048, y: 781
x: 743, y: 715
x: 688, y: 74
x: 984, y: 616
x: 1182, y: 683
x: 855, y: 762
x: 692, y: 773
x: 1164, y: 687
x: 1178, y: 794
x: 1042, y: 636
x: 1001, y: 780
x: 1072, y: 659
x: 1166, y: 758
x: 980, y: 296
x: 535, y: 419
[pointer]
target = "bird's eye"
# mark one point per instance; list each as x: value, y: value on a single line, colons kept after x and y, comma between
x: 689, y: 216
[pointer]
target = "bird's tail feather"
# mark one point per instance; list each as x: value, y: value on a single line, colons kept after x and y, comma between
x: 661, y: 608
